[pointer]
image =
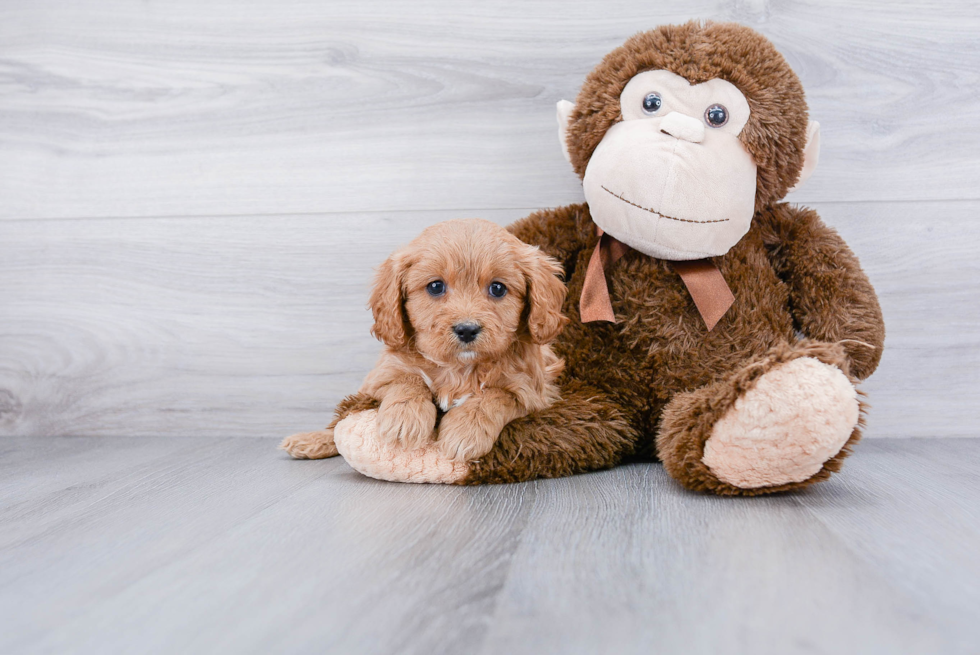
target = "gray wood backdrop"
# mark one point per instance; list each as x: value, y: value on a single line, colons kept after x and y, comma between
x: 193, y: 194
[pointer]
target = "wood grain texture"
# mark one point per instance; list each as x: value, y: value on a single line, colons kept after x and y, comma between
x: 257, y: 326
x: 228, y: 326
x: 119, y: 108
x: 194, y: 193
x: 220, y: 545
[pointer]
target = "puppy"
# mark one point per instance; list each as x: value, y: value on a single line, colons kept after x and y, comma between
x: 466, y: 312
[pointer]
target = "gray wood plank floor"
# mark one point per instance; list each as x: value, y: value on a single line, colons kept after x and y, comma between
x: 163, y: 545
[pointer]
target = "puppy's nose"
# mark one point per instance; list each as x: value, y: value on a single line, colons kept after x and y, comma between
x: 466, y: 332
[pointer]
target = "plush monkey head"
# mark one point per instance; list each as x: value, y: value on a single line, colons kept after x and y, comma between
x: 683, y: 133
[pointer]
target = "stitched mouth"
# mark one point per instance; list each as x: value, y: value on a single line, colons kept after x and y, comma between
x: 653, y: 211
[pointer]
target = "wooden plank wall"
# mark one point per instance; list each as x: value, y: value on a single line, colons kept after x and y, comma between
x: 193, y: 194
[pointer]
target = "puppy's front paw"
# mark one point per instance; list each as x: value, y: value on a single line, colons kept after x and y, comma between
x: 462, y: 437
x: 409, y: 422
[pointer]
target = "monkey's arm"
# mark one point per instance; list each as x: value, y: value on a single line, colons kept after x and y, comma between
x: 561, y: 232
x: 583, y: 431
x: 830, y: 296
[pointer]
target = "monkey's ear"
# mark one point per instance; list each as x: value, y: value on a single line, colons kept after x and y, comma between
x: 387, y: 304
x: 811, y: 153
x: 564, y: 113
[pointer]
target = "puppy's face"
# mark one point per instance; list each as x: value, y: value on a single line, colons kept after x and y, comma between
x: 464, y: 291
x: 464, y: 303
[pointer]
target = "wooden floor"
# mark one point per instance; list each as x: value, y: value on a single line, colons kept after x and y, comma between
x: 170, y: 545
x: 193, y: 194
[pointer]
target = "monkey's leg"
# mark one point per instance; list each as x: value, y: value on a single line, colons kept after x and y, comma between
x: 781, y: 422
x: 584, y: 431
x: 320, y: 444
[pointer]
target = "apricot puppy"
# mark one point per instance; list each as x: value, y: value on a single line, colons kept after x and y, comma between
x: 466, y: 312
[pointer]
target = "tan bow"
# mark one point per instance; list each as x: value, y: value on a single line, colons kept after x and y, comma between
x: 703, y: 280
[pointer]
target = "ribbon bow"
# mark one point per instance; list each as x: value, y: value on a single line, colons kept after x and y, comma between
x: 703, y: 280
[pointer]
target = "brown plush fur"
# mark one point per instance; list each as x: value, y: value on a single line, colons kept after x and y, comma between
x: 660, y: 351
x: 507, y: 371
x: 654, y: 383
x: 581, y: 432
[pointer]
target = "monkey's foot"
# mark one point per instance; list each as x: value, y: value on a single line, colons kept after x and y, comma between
x: 358, y: 441
x: 796, y: 417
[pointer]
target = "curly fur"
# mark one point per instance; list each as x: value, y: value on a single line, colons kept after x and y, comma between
x: 427, y: 374
x: 581, y: 432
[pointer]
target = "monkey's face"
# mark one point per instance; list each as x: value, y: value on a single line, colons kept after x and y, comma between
x: 672, y: 179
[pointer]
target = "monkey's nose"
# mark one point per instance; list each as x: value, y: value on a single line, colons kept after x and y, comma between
x: 466, y: 332
x: 683, y: 127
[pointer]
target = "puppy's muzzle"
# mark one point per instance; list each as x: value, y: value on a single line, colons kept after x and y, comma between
x: 467, y: 332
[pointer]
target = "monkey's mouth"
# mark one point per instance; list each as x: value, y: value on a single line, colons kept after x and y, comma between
x: 655, y: 212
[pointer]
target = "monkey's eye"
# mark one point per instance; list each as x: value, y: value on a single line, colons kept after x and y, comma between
x: 716, y: 115
x: 436, y: 288
x: 652, y: 103
x: 497, y: 289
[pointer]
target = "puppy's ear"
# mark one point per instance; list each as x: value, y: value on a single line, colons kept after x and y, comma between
x: 545, y: 295
x: 387, y: 303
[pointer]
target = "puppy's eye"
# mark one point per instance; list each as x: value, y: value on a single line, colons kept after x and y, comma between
x: 497, y: 289
x: 436, y: 288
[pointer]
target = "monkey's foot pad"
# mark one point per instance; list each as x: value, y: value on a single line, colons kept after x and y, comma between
x: 358, y: 441
x: 798, y: 416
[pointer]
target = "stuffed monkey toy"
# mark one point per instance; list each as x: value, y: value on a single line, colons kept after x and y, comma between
x: 712, y: 327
